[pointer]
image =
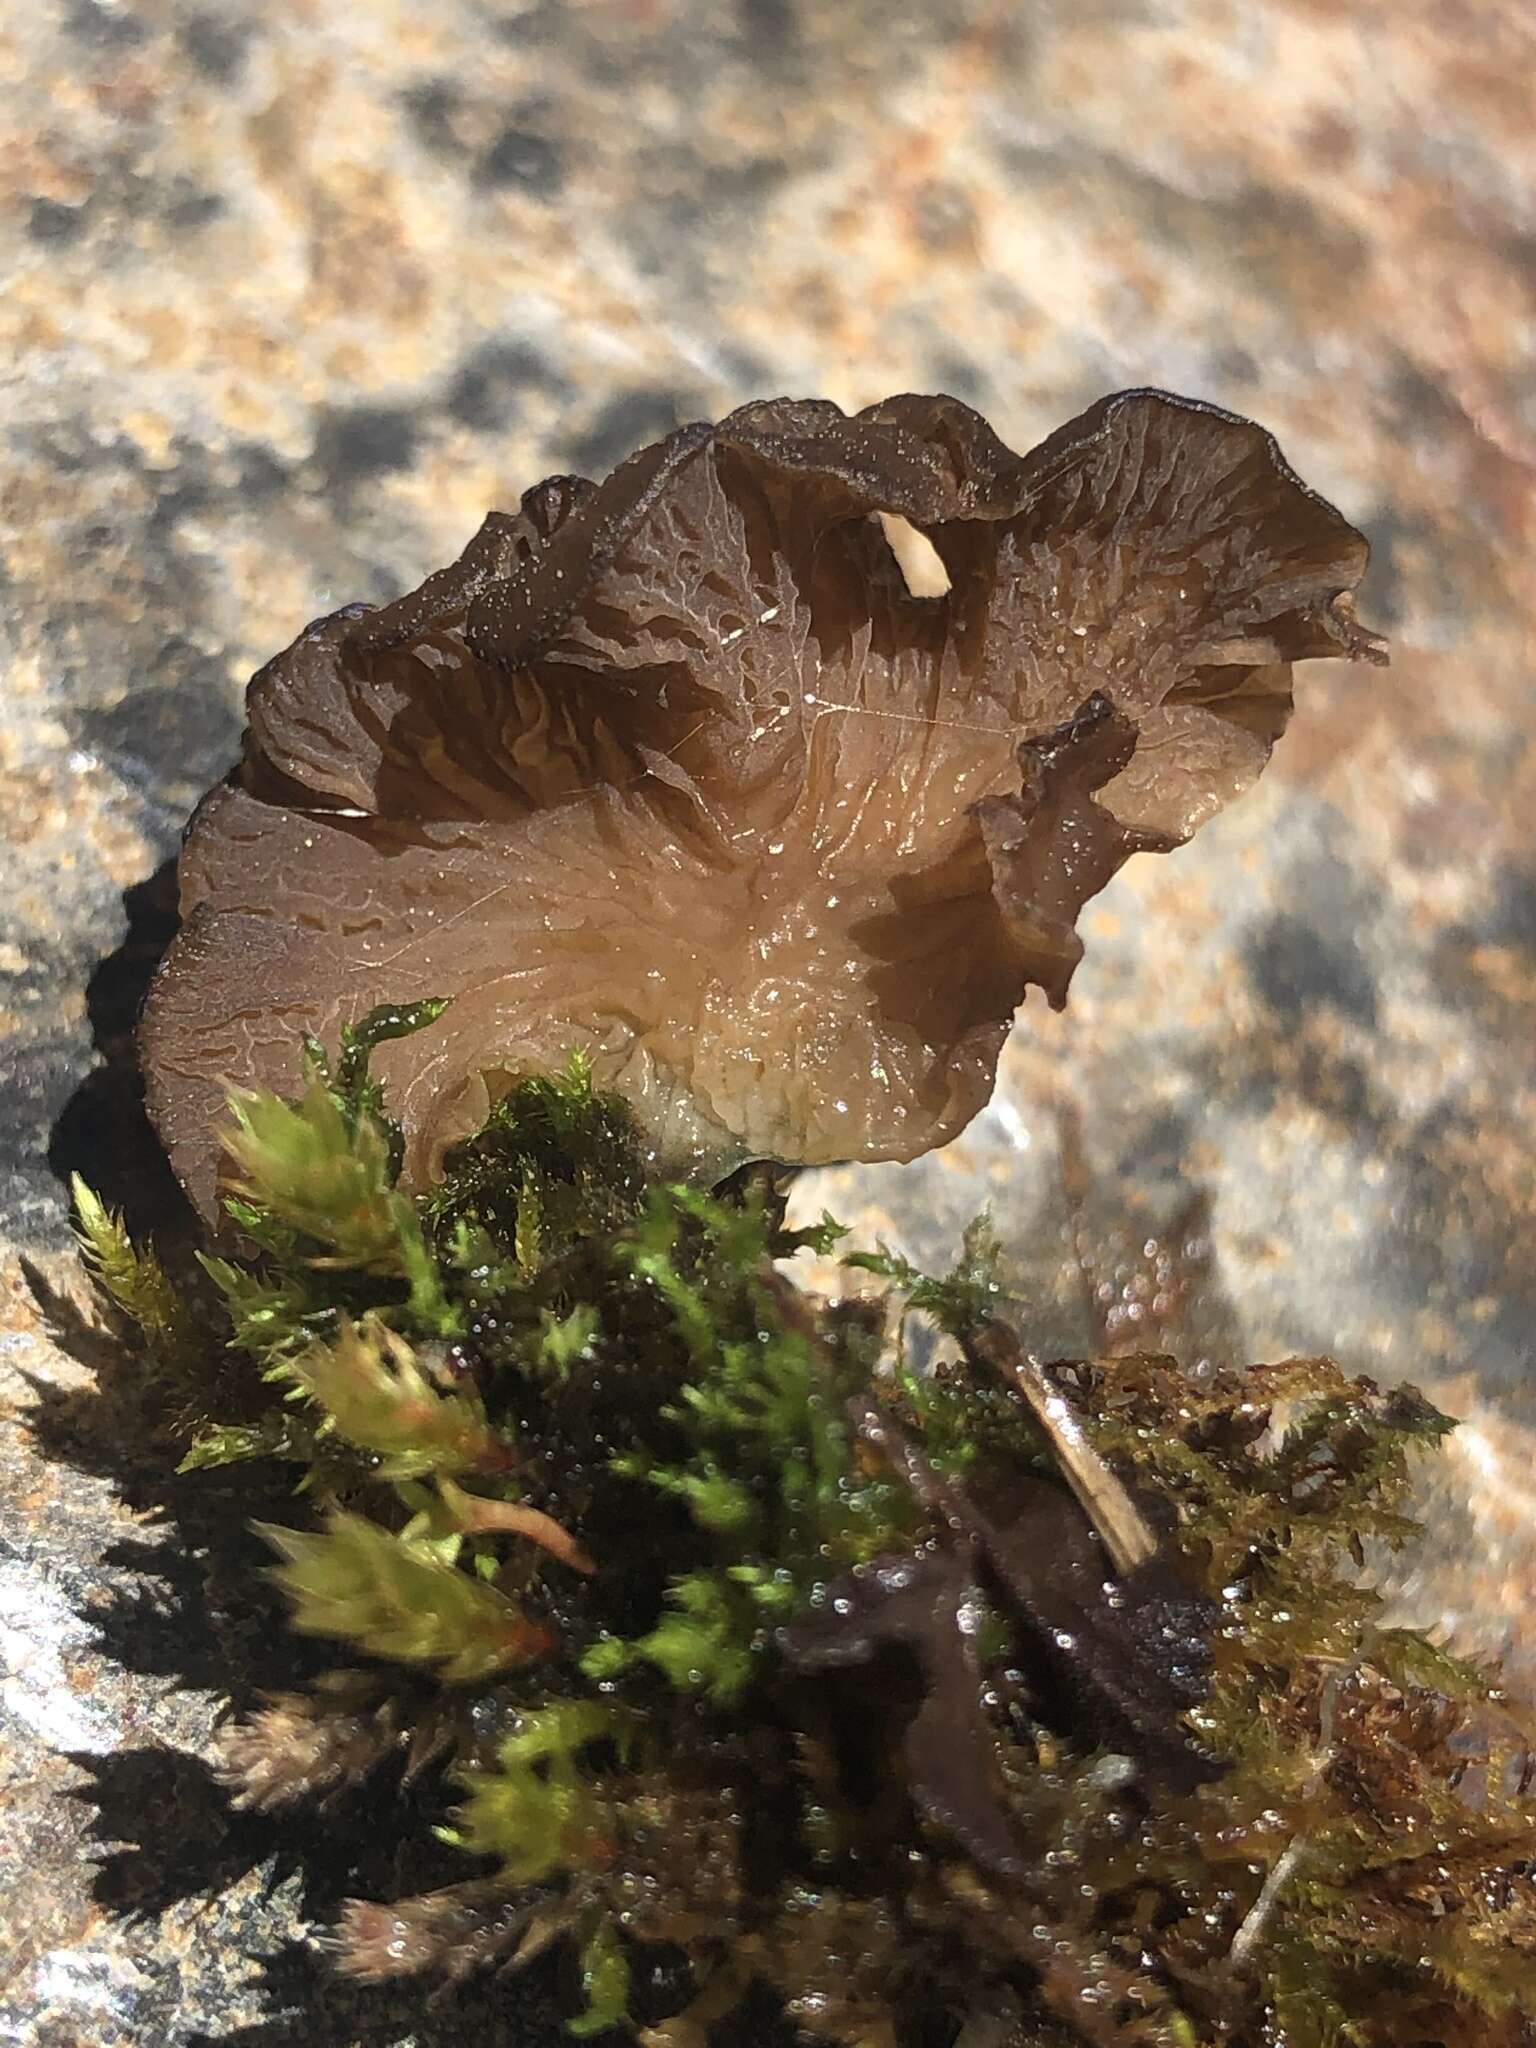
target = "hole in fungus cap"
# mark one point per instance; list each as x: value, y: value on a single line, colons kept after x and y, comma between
x: 704, y: 769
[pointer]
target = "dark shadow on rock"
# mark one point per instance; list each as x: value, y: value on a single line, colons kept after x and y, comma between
x: 168, y: 1833
x: 102, y: 1132
x: 190, y: 1604
x: 378, y: 1843
x: 313, y: 2007
x: 166, y: 1830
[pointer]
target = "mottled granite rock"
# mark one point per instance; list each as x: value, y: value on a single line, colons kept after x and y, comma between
x: 298, y: 290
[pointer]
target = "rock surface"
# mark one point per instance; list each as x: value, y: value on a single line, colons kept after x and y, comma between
x: 298, y: 290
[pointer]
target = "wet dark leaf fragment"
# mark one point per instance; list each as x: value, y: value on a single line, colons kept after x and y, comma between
x: 926, y: 1604
x: 1127, y: 1652
x: 770, y: 771
x: 1111, y: 1659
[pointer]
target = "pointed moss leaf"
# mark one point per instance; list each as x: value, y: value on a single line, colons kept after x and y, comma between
x: 429, y: 1304
x: 608, y: 1657
x: 265, y: 1232
x: 772, y: 1588
x: 357, y: 1095
x: 373, y: 1386
x: 268, y: 1311
x: 356, y: 1581
x: 965, y: 1296
x: 1412, y: 1659
x: 707, y: 1642
x: 236, y: 1442
x: 604, y: 1983
x: 822, y: 1237
x: 316, y: 1060
x: 654, y: 1263
x: 309, y: 1169
x: 575, y: 1081
x: 134, y: 1280
x: 564, y: 1340
x: 304, y: 1167
x: 885, y: 1265
x: 561, y: 1731
x: 540, y: 1808
x: 391, y: 1020
x: 715, y: 1500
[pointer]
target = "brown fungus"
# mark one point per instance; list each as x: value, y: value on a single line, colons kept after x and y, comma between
x: 703, y: 769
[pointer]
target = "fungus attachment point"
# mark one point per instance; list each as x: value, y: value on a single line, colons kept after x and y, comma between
x: 770, y: 772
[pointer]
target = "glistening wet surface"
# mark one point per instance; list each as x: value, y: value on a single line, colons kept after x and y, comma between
x: 299, y: 292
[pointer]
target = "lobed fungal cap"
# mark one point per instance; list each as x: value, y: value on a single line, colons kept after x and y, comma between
x: 771, y: 771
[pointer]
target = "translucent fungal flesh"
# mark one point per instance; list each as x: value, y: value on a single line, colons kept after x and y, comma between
x: 703, y: 770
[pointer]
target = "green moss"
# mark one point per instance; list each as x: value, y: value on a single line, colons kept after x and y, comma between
x: 770, y: 1478
x: 582, y: 1462
x: 605, y: 1978
x: 381, y: 1396
x: 539, y: 1809
x: 961, y: 1298
x: 134, y: 1281
x: 398, y: 1596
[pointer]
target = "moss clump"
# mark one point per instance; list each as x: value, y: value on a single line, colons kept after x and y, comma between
x: 761, y: 1667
